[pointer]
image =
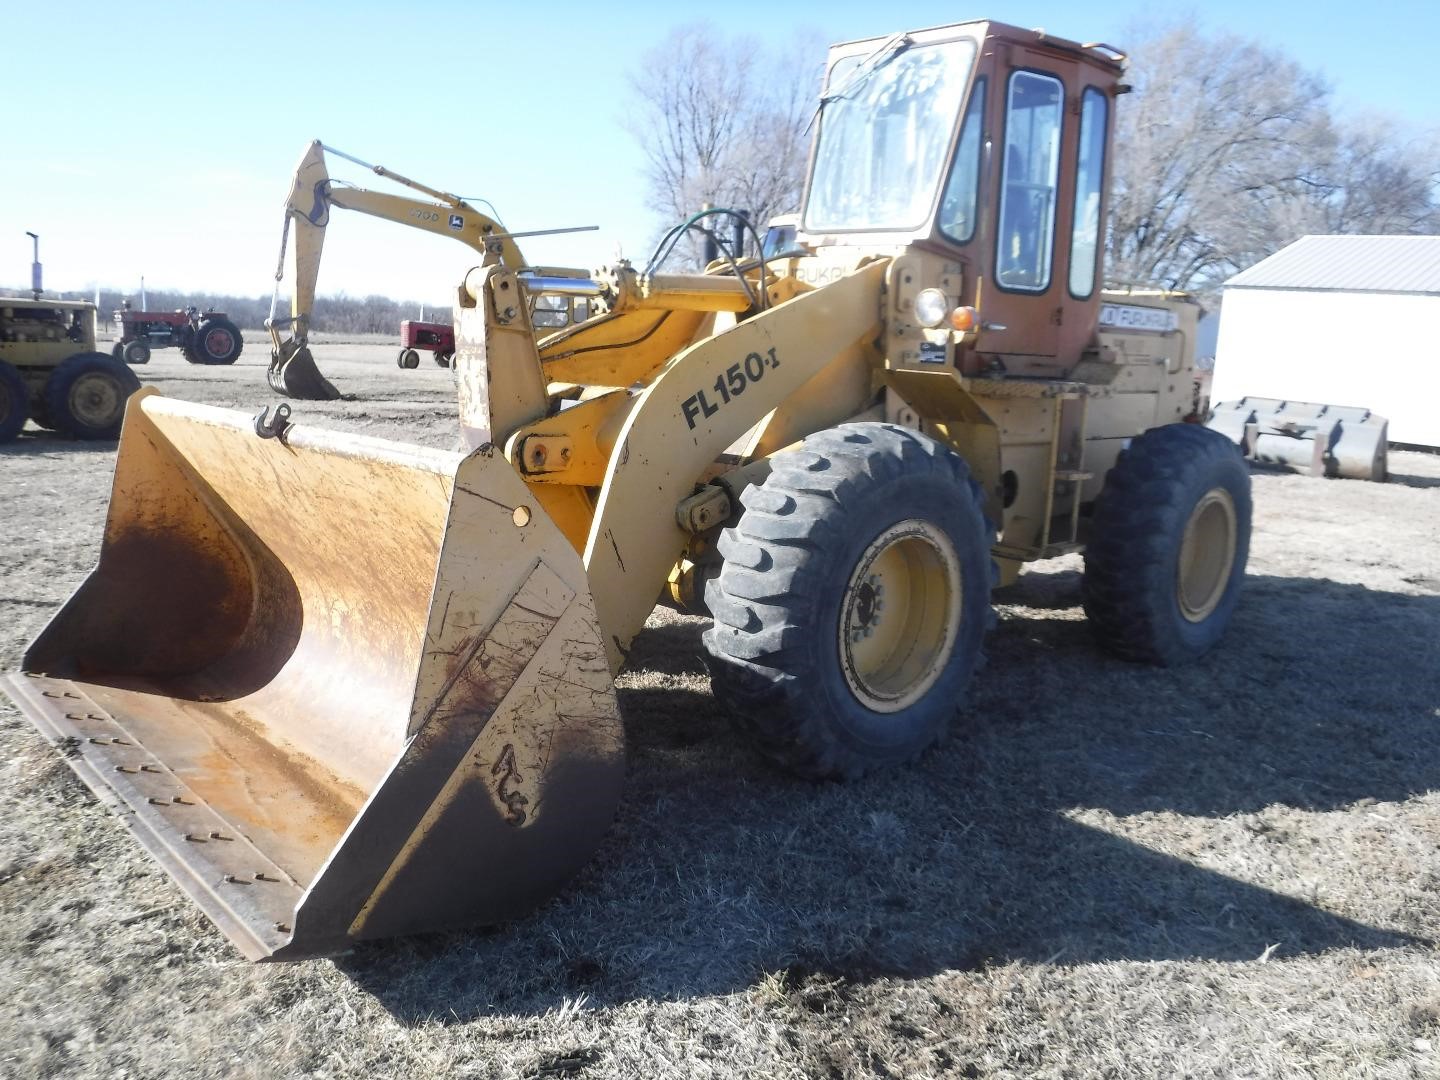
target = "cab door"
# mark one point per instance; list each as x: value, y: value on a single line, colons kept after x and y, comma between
x: 1024, y: 303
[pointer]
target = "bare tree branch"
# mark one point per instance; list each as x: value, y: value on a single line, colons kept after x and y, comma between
x: 722, y: 121
x: 1228, y: 150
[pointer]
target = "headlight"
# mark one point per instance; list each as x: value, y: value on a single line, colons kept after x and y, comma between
x: 931, y: 307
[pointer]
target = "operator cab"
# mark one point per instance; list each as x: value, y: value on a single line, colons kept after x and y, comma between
x: 984, y: 144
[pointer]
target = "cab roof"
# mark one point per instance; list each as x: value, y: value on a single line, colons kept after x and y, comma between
x: 1095, y: 52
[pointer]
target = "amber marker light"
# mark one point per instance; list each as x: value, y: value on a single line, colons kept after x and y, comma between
x: 964, y: 318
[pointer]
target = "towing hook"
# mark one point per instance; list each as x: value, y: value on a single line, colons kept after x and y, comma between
x: 268, y: 428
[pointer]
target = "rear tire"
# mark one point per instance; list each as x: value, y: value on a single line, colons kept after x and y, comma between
x: 851, y: 608
x: 135, y: 352
x: 85, y: 396
x: 1169, y: 539
x: 14, y: 402
x: 217, y: 341
x: 442, y: 360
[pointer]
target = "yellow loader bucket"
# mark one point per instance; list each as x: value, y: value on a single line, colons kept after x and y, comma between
x: 340, y: 688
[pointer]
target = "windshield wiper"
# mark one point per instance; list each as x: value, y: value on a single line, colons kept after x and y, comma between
x: 882, y: 54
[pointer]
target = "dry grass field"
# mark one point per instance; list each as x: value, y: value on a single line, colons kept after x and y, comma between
x: 1228, y: 870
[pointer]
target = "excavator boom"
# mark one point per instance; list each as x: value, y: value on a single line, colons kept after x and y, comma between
x: 293, y: 371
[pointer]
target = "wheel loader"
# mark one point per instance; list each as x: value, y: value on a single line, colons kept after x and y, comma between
x: 347, y: 689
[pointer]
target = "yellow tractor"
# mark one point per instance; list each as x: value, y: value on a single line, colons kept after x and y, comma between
x: 50, y: 371
x: 374, y: 694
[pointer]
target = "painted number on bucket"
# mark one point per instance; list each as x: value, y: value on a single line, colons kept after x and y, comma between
x: 728, y: 386
x: 509, y: 773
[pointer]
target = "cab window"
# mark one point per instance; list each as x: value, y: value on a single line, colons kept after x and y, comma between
x: 885, y: 128
x: 959, y: 206
x: 1029, y: 182
x: 1089, y: 175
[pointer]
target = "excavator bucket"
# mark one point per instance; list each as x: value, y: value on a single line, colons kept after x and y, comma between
x: 340, y: 688
x: 293, y: 373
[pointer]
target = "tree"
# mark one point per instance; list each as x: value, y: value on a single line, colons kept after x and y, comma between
x: 1382, y: 180
x: 724, y: 122
x: 1217, y: 134
x: 1228, y: 150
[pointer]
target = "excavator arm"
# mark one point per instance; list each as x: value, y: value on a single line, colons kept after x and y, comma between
x: 293, y: 371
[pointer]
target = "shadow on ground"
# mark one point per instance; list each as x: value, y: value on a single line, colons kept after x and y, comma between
x: 721, y: 869
x: 1407, y: 480
x: 49, y: 442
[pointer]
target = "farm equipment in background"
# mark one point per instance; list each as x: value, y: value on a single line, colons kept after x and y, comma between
x: 432, y: 337
x: 313, y: 193
x: 208, y: 337
x: 549, y: 313
x: 330, y: 726
x: 1319, y: 440
x: 50, y: 371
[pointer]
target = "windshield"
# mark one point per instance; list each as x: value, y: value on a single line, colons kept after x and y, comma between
x: 884, y: 137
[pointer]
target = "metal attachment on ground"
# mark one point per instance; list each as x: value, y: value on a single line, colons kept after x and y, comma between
x: 273, y: 428
x: 1320, y: 440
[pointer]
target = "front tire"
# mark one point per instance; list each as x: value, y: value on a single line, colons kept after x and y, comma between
x: 85, y: 396
x: 14, y: 402
x: 135, y: 352
x: 851, y: 608
x: 1169, y: 539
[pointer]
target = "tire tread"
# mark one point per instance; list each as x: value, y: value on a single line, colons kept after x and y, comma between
x: 764, y: 601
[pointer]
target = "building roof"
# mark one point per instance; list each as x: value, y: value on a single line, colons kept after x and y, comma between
x: 1392, y: 264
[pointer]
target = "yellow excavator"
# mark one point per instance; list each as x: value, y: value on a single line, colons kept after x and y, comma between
x: 344, y: 688
x: 313, y: 193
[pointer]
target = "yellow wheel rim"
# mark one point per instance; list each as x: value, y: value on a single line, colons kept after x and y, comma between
x: 900, y: 615
x: 95, y: 400
x: 1207, y: 555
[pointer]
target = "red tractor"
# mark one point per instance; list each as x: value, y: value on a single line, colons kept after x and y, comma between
x: 204, y: 337
x: 417, y: 337
x: 549, y: 313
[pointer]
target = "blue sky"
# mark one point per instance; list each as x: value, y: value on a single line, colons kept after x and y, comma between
x: 159, y: 138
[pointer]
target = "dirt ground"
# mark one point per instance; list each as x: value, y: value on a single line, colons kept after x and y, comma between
x: 1227, y: 870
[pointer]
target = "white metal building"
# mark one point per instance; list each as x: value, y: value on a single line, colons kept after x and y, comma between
x: 1344, y: 320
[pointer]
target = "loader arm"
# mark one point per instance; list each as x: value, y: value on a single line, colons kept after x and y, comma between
x: 684, y: 421
x: 307, y: 210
